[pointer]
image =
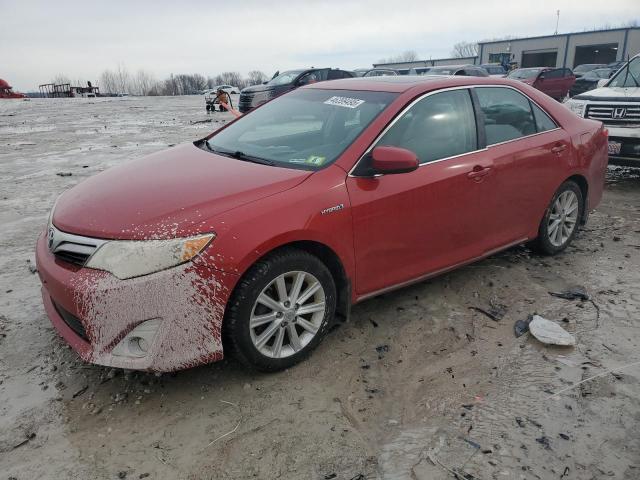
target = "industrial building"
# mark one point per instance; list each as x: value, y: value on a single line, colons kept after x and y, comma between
x: 561, y: 50
x: 564, y: 50
x: 404, y: 67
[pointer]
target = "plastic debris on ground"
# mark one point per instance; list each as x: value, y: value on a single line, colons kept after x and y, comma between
x: 573, y: 293
x: 549, y: 332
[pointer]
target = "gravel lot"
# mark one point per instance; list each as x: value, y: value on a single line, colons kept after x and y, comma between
x: 415, y: 386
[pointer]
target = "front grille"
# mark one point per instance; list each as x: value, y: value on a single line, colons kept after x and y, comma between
x: 249, y: 100
x: 615, y: 115
x: 72, y: 321
x: 70, y: 248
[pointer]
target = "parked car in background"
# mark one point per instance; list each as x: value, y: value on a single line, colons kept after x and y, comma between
x: 555, y: 82
x: 617, y: 105
x: 419, y: 70
x: 254, y: 96
x: 589, y: 81
x: 495, y: 69
x: 380, y: 72
x: 615, y: 66
x: 270, y: 228
x: 6, y: 91
x: 230, y: 89
x: 465, y: 70
x: 587, y: 67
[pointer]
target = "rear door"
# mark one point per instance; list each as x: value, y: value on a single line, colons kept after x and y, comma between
x: 528, y: 149
x: 411, y: 224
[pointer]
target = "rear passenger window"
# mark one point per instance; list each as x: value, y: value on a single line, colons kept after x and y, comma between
x: 507, y: 114
x: 543, y: 121
x: 439, y: 126
x: 556, y: 73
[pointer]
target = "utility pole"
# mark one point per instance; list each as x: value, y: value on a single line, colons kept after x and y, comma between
x: 557, y: 20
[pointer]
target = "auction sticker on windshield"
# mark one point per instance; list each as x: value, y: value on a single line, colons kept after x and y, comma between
x: 344, y: 102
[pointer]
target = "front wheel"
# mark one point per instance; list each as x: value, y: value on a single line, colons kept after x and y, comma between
x: 561, y: 219
x: 280, y: 311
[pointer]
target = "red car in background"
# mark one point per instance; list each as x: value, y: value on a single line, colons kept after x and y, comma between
x: 255, y: 239
x: 555, y: 82
x: 6, y: 91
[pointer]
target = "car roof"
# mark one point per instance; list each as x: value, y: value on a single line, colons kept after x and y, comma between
x: 403, y: 83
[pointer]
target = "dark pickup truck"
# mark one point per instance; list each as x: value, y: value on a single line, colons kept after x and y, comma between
x: 256, y: 95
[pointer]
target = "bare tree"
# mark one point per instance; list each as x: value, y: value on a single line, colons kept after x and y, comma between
x: 123, y: 79
x: 464, y: 49
x: 60, y: 79
x: 406, y: 56
x: 255, y: 77
x: 142, y: 83
x: 108, y: 82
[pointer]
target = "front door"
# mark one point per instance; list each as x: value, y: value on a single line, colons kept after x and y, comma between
x: 411, y: 224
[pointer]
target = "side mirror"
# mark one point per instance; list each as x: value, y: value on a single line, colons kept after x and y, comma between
x: 602, y: 82
x: 390, y: 160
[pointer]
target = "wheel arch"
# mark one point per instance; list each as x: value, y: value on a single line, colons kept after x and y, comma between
x: 583, y: 184
x: 326, y: 255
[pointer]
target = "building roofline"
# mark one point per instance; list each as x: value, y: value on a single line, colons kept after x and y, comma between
x: 423, y: 61
x: 569, y: 34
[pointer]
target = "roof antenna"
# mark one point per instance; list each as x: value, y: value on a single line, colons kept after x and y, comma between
x: 557, y: 20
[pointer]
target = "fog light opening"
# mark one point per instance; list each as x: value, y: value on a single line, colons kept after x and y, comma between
x: 139, y: 342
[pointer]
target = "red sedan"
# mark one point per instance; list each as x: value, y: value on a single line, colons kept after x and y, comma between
x: 255, y: 239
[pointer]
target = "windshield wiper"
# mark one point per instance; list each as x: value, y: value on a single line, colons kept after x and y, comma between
x: 238, y: 155
x: 250, y: 158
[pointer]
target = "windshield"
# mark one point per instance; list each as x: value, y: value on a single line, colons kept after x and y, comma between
x: 597, y: 74
x: 587, y: 67
x: 524, y: 73
x: 627, y: 76
x: 379, y: 73
x: 305, y: 129
x: 285, y: 78
x: 442, y: 71
x: 494, y: 69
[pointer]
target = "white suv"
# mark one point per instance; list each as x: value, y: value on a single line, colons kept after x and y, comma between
x: 616, y: 103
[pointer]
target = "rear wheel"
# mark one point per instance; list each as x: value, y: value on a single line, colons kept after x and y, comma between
x: 280, y: 311
x: 560, y: 222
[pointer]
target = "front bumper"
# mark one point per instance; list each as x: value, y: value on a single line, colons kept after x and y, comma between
x: 93, y: 311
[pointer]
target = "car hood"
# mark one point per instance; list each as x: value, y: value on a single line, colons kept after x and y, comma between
x: 257, y: 88
x: 612, y: 94
x: 169, y: 194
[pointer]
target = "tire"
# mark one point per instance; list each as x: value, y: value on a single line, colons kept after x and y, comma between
x: 565, y: 211
x: 258, y: 320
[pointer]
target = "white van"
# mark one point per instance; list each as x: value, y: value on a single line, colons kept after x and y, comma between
x: 616, y: 103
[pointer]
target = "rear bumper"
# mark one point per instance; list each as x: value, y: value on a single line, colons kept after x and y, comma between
x: 93, y: 311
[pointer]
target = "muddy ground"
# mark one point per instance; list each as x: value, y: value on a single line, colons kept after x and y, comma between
x: 416, y: 386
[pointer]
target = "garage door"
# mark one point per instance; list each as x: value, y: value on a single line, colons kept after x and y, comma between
x: 539, y: 58
x: 605, y: 53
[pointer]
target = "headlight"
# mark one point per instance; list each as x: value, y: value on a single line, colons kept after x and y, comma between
x: 133, y: 258
x: 576, y: 107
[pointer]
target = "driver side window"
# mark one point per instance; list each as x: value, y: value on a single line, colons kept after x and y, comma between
x: 439, y: 126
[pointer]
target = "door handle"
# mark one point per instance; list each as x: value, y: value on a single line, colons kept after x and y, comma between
x: 478, y: 172
x: 559, y: 148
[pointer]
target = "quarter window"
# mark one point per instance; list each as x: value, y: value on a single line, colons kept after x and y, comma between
x: 543, y: 121
x: 438, y: 126
x: 507, y: 114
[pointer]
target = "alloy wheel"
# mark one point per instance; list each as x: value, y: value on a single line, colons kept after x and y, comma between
x: 563, y: 218
x: 287, y: 314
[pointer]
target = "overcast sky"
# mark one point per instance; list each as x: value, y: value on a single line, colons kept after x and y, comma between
x: 40, y: 39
